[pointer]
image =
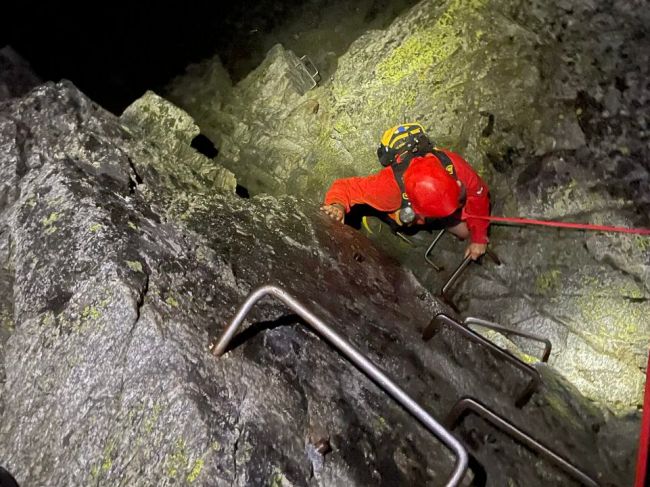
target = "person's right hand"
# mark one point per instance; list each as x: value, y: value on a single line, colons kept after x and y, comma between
x: 334, y: 211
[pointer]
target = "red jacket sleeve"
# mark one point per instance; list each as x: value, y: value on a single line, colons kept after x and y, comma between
x: 378, y: 190
x: 478, y: 199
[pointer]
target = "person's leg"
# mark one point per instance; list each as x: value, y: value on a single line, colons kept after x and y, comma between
x: 460, y: 230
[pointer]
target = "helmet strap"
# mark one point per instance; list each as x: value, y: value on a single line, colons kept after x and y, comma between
x: 406, y: 213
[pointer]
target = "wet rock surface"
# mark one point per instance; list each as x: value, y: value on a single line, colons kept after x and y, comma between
x: 121, y: 273
x: 547, y: 100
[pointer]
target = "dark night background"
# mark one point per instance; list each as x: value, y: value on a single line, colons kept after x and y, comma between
x: 115, y: 51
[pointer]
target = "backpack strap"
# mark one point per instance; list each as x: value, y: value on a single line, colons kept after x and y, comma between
x: 398, y: 173
x: 446, y: 162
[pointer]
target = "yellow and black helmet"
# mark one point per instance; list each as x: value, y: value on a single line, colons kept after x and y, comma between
x: 401, y: 138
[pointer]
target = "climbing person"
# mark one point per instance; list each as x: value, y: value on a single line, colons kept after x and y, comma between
x: 420, y: 185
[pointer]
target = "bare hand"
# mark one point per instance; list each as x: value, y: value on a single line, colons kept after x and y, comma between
x: 475, y: 250
x: 334, y: 211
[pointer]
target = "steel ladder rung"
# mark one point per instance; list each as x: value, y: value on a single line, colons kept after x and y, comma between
x: 535, y: 377
x: 509, y: 331
x: 357, y: 358
x: 470, y: 404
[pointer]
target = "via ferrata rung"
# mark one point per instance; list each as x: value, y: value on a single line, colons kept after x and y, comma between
x: 360, y: 361
x: 468, y: 404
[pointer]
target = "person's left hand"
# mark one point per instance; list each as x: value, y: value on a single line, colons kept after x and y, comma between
x: 475, y: 250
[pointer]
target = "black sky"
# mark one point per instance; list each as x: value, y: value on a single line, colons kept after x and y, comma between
x: 115, y: 51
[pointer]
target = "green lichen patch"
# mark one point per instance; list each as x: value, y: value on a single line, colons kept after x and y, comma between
x: 49, y: 222
x: 617, y: 324
x: 151, y: 419
x: 171, y: 302
x: 278, y: 479
x: 51, y: 219
x: 134, y: 265
x: 104, y: 465
x: 196, y: 470
x: 96, y: 227
x: 177, y: 461
x: 642, y: 242
x: 429, y: 47
x: 548, y: 281
x: 169, y: 131
x: 90, y: 312
x: 418, y: 53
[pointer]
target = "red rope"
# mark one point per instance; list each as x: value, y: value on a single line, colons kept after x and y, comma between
x: 642, y: 478
x: 548, y: 223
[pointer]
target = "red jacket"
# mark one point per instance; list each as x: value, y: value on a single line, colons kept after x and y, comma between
x: 381, y: 191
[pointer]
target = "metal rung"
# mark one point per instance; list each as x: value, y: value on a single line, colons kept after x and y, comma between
x: 455, y: 275
x: 310, y: 67
x: 358, y: 359
x: 535, y: 377
x: 450, y: 282
x: 470, y: 404
x: 430, y: 248
x: 509, y: 331
x: 405, y: 238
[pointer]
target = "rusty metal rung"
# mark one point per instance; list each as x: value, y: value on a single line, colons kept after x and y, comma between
x: 535, y: 377
x: 509, y: 331
x: 470, y: 404
x: 358, y: 359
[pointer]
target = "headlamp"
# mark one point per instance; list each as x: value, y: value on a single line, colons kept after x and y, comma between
x: 407, y: 215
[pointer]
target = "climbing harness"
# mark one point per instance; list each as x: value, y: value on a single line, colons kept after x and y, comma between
x: 358, y: 359
x: 469, y: 404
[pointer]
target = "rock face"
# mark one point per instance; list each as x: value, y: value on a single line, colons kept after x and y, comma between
x: 119, y: 266
x: 166, y: 126
x: 551, y: 111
